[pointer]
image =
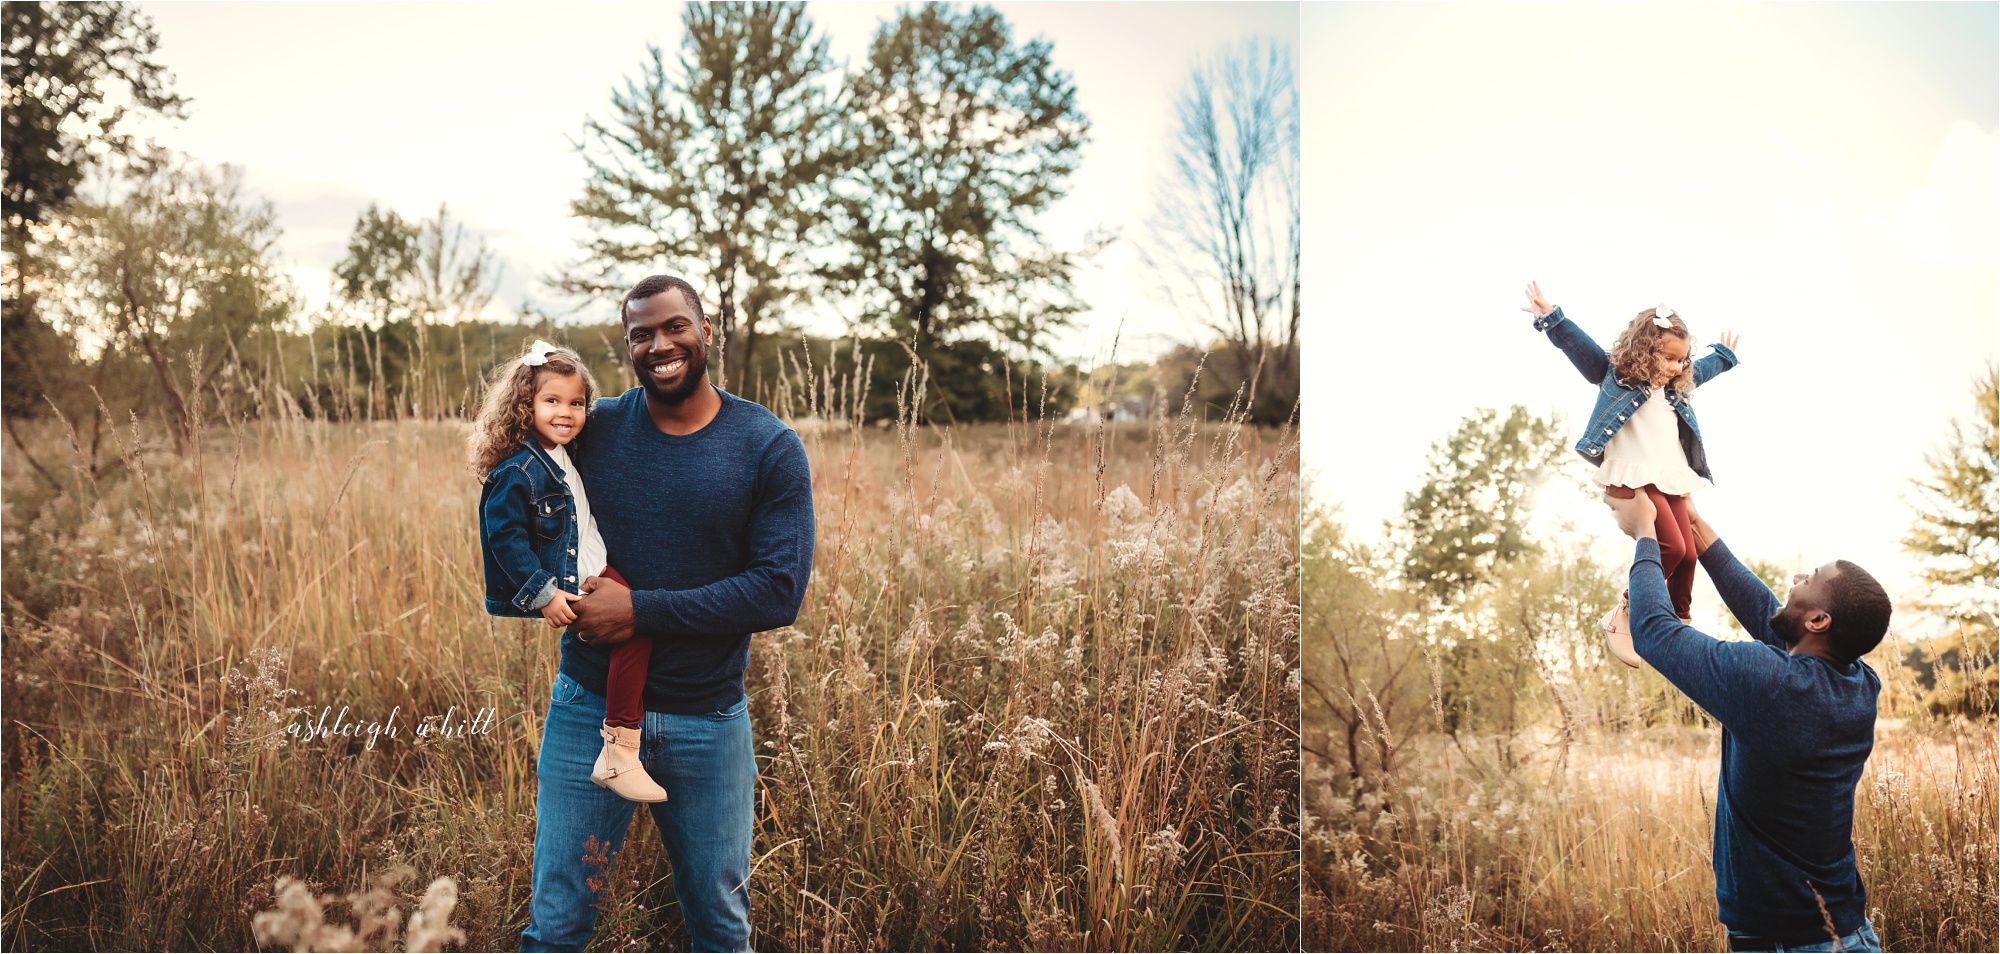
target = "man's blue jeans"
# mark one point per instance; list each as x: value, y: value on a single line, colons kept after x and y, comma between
x: 1861, y: 941
x: 709, y: 769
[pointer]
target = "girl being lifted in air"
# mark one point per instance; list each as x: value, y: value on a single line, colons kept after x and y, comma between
x: 1642, y: 433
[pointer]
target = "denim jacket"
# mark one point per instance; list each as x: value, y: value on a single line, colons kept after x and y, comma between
x: 527, y: 533
x: 1616, y: 400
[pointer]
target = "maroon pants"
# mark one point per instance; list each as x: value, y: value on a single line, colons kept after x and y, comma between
x: 625, y: 684
x: 1677, y: 556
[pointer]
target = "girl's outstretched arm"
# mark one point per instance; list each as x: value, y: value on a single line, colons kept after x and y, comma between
x: 1721, y: 357
x: 1589, y: 359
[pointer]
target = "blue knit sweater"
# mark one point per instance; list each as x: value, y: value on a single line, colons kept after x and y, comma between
x: 714, y: 530
x: 1796, y: 731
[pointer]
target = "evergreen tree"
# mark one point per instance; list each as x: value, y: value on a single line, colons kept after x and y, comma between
x: 1957, y: 521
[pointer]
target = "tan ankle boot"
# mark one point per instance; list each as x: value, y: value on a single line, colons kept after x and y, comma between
x: 618, y: 767
x: 1617, y: 628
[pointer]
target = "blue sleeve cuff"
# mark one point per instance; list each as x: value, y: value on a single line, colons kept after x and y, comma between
x: 1545, y: 322
x: 650, y: 611
x: 1647, y: 551
x: 537, y: 592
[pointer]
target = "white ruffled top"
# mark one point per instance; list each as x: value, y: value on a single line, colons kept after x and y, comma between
x: 1647, y: 450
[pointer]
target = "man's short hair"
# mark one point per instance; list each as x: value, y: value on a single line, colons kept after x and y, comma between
x: 1860, y: 610
x: 654, y: 284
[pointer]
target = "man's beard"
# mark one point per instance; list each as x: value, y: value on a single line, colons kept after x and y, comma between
x: 1785, y: 626
x: 691, y: 377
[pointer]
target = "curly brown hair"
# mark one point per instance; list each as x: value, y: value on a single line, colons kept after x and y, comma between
x: 1632, y: 354
x: 506, y: 420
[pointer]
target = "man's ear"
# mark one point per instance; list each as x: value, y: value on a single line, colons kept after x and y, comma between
x: 1817, y: 621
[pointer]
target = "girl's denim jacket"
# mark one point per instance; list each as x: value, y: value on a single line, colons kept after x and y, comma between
x: 1617, y: 400
x: 527, y: 533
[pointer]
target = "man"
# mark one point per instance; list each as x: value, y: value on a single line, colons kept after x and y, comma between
x: 1797, y: 708
x: 704, y: 501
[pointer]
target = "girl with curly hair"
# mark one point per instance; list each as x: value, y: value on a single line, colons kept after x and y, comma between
x: 1642, y: 433
x: 536, y: 531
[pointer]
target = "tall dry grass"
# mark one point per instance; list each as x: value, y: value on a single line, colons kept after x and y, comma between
x: 1043, y: 693
x: 1610, y: 852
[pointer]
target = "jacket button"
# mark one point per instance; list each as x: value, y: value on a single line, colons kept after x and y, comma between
x: 572, y: 551
x: 571, y: 579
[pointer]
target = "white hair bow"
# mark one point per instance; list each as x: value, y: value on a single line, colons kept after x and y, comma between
x: 538, y: 353
x: 1660, y: 316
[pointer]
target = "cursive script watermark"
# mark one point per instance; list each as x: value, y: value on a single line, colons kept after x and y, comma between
x: 344, y: 724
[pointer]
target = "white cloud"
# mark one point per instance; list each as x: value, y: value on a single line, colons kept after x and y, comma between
x: 1950, y: 222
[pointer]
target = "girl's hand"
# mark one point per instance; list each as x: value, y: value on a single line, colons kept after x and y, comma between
x: 1537, y: 305
x: 557, y: 612
x: 1729, y: 340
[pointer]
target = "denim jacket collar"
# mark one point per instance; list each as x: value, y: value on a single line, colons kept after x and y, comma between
x: 536, y: 450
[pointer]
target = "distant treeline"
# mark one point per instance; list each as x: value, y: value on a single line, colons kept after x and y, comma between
x: 902, y: 194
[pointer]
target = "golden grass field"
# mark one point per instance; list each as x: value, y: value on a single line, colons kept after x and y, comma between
x: 1043, y: 695
x: 1610, y: 852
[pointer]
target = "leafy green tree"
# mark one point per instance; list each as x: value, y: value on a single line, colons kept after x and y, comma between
x: 381, y: 261
x: 404, y: 278
x: 67, y: 67
x: 1957, y: 507
x: 958, y: 138
x: 180, y: 272
x: 713, y: 168
x: 1470, y: 513
x: 64, y: 62
x: 1366, y: 681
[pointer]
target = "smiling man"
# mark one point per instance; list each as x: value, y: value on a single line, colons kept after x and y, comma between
x: 1797, y: 708
x: 704, y: 501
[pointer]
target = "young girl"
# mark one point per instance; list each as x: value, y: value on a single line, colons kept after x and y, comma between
x: 1642, y: 433
x: 536, y: 532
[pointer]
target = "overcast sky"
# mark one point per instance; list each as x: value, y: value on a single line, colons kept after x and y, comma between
x: 331, y: 106
x: 1817, y: 177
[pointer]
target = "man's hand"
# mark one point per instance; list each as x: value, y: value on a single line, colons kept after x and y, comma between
x: 1537, y: 305
x: 1704, y: 535
x: 557, y: 612
x: 1635, y: 516
x: 604, y: 613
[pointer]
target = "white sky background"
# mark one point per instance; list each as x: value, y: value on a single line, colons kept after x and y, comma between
x: 331, y: 106
x: 1819, y: 178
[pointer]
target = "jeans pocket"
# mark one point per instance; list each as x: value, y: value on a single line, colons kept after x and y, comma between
x: 565, y: 691
x: 736, y: 711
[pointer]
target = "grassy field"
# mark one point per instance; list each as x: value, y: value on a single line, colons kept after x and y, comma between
x: 1043, y: 695
x: 1610, y: 851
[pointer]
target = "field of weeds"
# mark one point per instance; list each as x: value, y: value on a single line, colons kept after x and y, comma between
x: 1604, y: 844
x: 1043, y: 695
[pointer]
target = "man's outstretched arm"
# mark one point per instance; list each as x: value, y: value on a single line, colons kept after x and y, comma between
x: 1748, y: 599
x: 1720, y: 677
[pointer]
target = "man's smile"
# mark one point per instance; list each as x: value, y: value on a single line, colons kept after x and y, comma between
x: 667, y: 367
